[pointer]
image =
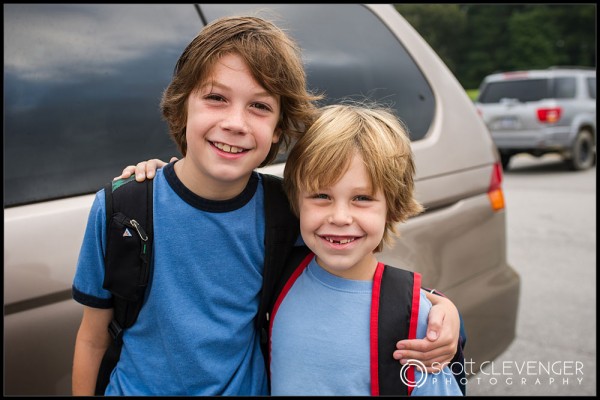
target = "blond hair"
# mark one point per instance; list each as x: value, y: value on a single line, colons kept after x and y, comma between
x: 273, y: 59
x: 323, y: 154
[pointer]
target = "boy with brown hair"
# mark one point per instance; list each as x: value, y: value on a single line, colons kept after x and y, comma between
x: 238, y: 92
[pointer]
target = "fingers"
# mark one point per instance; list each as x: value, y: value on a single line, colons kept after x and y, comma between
x: 440, y: 343
x: 423, y: 350
x: 143, y: 170
x: 428, y: 352
x: 150, y: 168
x: 443, y: 321
x: 439, y: 346
x: 127, y: 172
x: 435, y: 322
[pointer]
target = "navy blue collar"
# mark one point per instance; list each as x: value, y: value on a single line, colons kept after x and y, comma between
x: 216, y: 206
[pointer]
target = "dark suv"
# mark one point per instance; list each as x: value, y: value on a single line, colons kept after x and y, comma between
x: 542, y: 111
x: 82, y: 85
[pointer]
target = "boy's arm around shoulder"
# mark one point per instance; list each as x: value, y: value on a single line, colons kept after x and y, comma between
x: 144, y: 169
x: 443, y: 332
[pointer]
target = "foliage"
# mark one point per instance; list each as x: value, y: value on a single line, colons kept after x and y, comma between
x: 475, y: 40
x: 473, y: 93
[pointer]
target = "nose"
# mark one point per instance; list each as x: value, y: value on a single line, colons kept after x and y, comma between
x: 340, y: 214
x: 235, y: 120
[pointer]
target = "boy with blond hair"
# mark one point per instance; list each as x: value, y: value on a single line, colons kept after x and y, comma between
x: 350, y: 180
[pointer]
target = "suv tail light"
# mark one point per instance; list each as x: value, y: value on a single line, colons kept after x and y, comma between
x: 549, y: 115
x: 495, y: 193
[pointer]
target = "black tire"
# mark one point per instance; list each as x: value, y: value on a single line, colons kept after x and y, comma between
x: 505, y: 159
x: 583, y: 152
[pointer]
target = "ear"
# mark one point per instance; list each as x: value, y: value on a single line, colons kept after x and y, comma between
x: 276, y: 135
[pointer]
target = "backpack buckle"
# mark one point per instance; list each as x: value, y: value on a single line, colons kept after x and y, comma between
x: 115, y: 330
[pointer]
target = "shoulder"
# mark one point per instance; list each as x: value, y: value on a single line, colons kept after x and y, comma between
x: 424, y: 306
x: 276, y: 201
x: 424, y: 300
x: 271, y: 182
x: 98, y: 207
x: 396, y: 279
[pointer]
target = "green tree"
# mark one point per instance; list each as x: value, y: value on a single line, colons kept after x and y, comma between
x: 576, y: 26
x: 532, y: 39
x: 488, y: 41
x: 475, y: 40
x: 442, y: 26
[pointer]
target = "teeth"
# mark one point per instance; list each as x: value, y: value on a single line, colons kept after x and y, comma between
x: 343, y: 241
x: 227, y: 148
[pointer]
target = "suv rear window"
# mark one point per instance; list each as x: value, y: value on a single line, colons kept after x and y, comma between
x: 564, y: 88
x: 522, y: 90
x: 527, y: 90
x: 591, y: 86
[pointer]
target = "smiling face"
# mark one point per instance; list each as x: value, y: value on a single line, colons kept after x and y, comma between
x: 232, y: 122
x: 344, y: 223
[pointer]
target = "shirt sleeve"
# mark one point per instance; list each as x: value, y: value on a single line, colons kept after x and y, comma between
x: 89, y: 275
x: 442, y: 383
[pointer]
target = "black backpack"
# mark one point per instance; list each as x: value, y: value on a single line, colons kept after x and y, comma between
x: 129, y: 227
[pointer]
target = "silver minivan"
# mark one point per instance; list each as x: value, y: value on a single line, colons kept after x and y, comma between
x: 82, y: 84
x: 542, y: 111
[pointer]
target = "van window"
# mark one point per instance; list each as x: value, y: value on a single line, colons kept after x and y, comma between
x: 381, y: 71
x: 82, y: 86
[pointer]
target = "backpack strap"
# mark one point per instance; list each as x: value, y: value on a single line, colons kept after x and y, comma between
x: 397, y: 317
x: 129, y: 237
x: 394, y: 315
x: 282, y: 230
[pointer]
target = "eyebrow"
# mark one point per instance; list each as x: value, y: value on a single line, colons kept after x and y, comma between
x: 365, y: 189
x: 213, y: 83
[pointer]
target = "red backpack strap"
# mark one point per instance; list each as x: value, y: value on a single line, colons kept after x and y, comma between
x: 394, y: 316
x: 297, y: 262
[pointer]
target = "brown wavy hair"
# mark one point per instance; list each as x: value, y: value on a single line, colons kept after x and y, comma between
x: 274, y: 60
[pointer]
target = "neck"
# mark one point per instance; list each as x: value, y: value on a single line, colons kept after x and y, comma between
x: 207, y: 187
x: 364, y: 270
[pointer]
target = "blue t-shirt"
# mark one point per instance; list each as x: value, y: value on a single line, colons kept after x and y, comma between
x: 195, y: 334
x: 320, y: 342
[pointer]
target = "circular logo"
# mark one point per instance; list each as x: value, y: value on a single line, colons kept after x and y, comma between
x: 404, y: 374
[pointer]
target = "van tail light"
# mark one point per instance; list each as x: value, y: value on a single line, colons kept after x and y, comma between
x: 495, y: 191
x: 549, y: 115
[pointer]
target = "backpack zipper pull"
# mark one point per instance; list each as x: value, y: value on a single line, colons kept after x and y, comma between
x: 139, y: 229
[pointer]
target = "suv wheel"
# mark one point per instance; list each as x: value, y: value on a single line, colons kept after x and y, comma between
x: 505, y: 159
x: 583, y: 152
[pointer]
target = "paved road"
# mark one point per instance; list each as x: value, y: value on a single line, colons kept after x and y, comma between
x: 551, y: 221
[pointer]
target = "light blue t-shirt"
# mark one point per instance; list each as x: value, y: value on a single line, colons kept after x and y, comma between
x: 320, y: 341
x: 195, y: 334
